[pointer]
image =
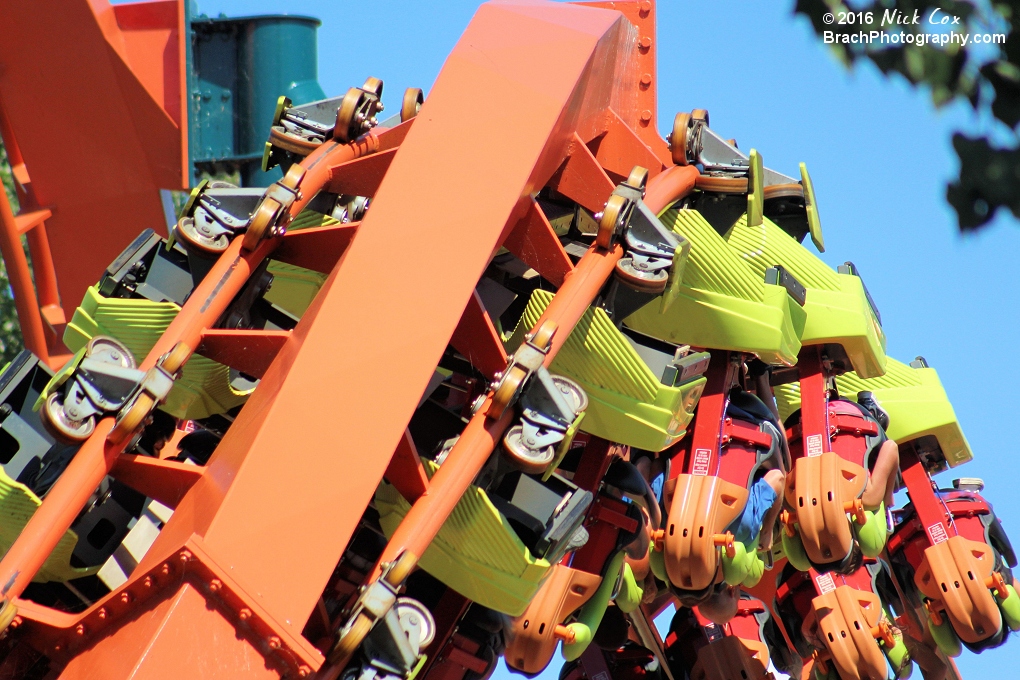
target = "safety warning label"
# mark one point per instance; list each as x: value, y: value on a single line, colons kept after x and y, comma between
x: 701, y: 460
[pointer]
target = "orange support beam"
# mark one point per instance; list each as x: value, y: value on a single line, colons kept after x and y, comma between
x: 362, y: 176
x: 250, y: 352
x: 534, y: 243
x: 316, y: 248
x: 582, y: 179
x: 476, y: 338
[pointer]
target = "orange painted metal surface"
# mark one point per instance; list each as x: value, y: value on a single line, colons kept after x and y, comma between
x: 114, y: 84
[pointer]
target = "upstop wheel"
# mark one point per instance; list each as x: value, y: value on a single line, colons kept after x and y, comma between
x: 60, y: 427
x: 111, y: 350
x: 411, y: 105
x: 527, y: 460
x: 574, y: 393
x: 645, y: 282
x: 197, y: 242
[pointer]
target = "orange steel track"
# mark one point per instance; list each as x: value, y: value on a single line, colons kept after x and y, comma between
x: 535, y: 94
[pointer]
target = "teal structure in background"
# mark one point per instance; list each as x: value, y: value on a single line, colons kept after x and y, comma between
x: 238, y: 69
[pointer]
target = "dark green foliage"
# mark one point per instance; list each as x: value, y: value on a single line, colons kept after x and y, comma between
x: 987, y: 76
x: 10, y: 331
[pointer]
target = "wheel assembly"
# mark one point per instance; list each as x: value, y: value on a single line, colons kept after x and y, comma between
x: 508, y: 388
x: 612, y: 219
x: 574, y: 393
x: 680, y: 138
x: 721, y: 185
x: 411, y: 104
x: 644, y: 281
x: 131, y: 417
x: 529, y: 460
x: 62, y: 428
x: 260, y: 225
x: 175, y: 358
x: 351, y: 637
x: 198, y: 239
x: 357, y: 111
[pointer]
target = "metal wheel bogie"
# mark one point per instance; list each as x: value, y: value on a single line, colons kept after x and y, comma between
x: 356, y: 114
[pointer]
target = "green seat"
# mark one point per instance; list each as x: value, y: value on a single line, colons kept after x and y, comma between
x: 837, y: 308
x: 914, y: 398
x: 476, y: 552
x: 627, y: 402
x: 205, y: 387
x: 723, y: 302
x: 17, y: 505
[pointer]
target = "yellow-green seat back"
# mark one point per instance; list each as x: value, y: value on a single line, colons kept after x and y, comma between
x: 723, y: 303
x: 627, y: 402
x: 476, y: 552
x: 17, y: 505
x: 837, y: 307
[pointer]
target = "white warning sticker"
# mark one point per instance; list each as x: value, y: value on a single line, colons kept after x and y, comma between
x: 702, y: 457
x: 938, y: 533
x: 814, y: 445
x: 825, y: 583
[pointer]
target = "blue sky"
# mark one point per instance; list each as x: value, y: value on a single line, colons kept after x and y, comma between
x: 879, y: 155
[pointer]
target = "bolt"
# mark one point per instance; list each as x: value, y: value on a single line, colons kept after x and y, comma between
x: 646, y: 115
x: 185, y: 556
x: 147, y: 582
x: 645, y: 7
x: 125, y: 598
x: 645, y: 42
x: 165, y: 569
x: 304, y: 671
x: 477, y: 403
x: 274, y: 642
x: 80, y: 630
x: 646, y: 79
x: 102, y: 612
x: 16, y: 622
x: 215, y: 585
x: 244, y: 614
